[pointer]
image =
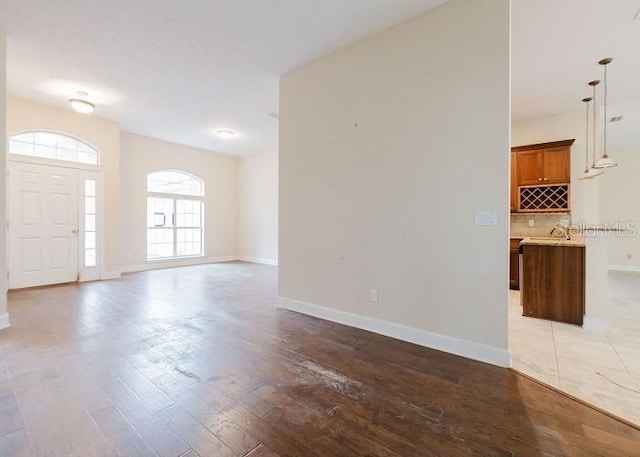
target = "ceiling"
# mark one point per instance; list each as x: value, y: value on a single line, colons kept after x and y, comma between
x: 556, y: 45
x: 179, y: 73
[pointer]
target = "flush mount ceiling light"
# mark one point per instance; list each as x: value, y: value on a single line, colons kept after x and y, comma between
x: 225, y: 134
x: 605, y: 161
x: 80, y: 104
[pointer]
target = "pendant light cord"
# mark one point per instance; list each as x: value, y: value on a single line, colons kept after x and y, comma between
x: 604, y: 127
x: 594, y: 126
x: 586, y: 168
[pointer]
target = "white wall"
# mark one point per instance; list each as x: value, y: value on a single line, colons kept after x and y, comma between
x: 387, y: 148
x: 619, y: 197
x: 103, y: 134
x: 143, y: 155
x: 4, y: 317
x: 258, y: 208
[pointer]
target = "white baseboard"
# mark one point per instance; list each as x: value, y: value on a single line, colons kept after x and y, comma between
x: 106, y: 275
x: 594, y: 325
x: 160, y: 264
x: 626, y: 268
x: 261, y: 260
x: 4, y: 321
x: 457, y: 346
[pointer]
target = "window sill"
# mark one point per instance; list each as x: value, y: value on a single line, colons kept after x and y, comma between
x: 169, y: 259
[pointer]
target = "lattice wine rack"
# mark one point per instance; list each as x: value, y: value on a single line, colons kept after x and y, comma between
x: 544, y: 198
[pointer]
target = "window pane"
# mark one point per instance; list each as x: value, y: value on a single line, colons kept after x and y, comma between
x: 174, y: 182
x: 188, y: 213
x: 18, y: 147
x: 90, y: 240
x: 86, y: 157
x: 90, y: 187
x: 66, y: 154
x: 90, y: 258
x: 159, y: 243
x: 65, y: 142
x: 84, y: 147
x: 48, y: 152
x: 90, y: 205
x: 189, y: 242
x: 27, y: 137
x: 90, y: 223
x: 159, y: 212
x: 45, y: 139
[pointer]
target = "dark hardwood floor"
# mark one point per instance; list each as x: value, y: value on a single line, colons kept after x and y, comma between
x: 198, y: 361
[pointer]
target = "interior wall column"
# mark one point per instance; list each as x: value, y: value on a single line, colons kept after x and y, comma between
x: 4, y: 316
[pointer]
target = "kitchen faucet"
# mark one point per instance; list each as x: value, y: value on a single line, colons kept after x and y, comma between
x: 563, y: 232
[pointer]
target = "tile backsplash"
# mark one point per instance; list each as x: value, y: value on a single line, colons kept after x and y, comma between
x: 543, y: 223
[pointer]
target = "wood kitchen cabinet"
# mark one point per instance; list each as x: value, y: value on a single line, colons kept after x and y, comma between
x: 553, y: 282
x: 530, y: 168
x: 514, y: 263
x: 544, y: 164
x: 515, y: 198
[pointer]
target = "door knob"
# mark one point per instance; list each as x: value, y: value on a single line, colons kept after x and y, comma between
x: 75, y: 230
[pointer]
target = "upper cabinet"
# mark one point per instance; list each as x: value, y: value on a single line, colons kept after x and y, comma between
x: 530, y: 167
x: 540, y: 177
x: 556, y: 165
x: 544, y: 165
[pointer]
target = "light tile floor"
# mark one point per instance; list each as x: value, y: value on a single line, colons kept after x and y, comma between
x: 600, y: 368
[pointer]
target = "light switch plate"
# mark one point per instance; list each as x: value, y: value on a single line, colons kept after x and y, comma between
x: 486, y: 218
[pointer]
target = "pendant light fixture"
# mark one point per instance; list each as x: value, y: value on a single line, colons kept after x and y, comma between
x: 80, y: 104
x: 605, y: 161
x: 586, y: 174
x: 593, y: 171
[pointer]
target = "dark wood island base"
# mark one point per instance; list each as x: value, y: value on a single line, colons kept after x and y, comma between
x: 553, y: 284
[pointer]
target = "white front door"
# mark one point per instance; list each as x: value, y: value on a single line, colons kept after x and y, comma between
x: 43, y: 225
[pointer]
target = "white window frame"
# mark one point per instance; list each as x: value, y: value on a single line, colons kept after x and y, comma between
x: 54, y: 161
x: 92, y: 273
x: 174, y: 197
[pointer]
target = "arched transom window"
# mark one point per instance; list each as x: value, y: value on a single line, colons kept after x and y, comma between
x: 52, y: 145
x: 175, y: 207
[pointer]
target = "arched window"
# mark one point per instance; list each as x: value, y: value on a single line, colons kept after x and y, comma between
x: 175, y: 208
x: 52, y: 145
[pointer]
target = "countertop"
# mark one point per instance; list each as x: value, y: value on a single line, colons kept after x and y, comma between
x: 577, y: 241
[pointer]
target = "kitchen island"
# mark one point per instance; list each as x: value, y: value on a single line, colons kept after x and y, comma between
x: 553, y: 279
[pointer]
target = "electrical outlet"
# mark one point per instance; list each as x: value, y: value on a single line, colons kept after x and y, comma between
x: 532, y: 222
x: 373, y: 295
